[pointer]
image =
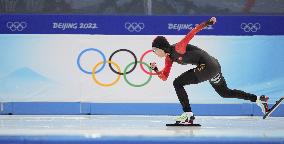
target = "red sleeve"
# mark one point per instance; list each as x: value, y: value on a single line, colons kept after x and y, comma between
x: 164, y: 74
x: 181, y: 46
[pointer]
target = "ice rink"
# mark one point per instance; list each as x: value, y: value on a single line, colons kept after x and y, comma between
x: 138, y: 129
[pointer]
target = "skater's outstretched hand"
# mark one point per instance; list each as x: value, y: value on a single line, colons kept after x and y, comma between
x: 213, y: 20
x: 181, y: 46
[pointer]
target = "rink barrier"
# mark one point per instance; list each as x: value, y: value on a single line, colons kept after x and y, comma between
x: 82, y: 108
x: 137, y: 25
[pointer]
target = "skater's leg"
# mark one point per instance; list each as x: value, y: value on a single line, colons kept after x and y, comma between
x: 220, y: 86
x: 186, y: 78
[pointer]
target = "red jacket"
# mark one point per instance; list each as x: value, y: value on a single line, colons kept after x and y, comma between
x: 181, y: 49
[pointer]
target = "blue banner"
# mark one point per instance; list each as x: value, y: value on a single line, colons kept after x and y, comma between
x: 138, y: 25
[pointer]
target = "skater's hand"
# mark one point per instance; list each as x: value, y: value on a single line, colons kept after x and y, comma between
x: 213, y: 20
x: 153, y: 66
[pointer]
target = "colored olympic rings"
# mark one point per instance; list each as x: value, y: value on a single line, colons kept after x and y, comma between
x: 96, y: 70
x: 135, y: 60
x: 102, y: 84
x: 91, y: 49
x: 141, y: 59
x: 137, y: 85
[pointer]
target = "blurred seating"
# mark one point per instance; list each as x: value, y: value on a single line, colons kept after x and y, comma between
x: 145, y: 7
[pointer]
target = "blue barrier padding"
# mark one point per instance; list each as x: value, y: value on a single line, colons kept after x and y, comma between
x: 77, y: 108
x: 138, y: 25
x: 137, y: 140
x: 46, y: 108
x: 136, y: 108
x: 6, y: 108
x: 85, y: 108
x: 223, y: 109
x: 171, y: 109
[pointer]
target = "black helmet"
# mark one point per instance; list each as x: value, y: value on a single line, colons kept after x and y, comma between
x: 161, y: 43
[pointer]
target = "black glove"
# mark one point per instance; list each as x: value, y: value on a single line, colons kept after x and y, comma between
x: 155, y: 69
x: 209, y: 22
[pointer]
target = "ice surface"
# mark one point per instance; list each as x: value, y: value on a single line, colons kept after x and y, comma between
x: 152, y: 126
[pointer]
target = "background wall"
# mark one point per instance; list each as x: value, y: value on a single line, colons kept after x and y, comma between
x: 44, y: 68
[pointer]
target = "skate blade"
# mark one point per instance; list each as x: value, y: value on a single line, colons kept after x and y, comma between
x: 274, y: 107
x: 183, y: 124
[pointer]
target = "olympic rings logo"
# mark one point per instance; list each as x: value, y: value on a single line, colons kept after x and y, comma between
x: 134, y: 27
x: 16, y: 26
x: 250, y: 27
x: 128, y: 69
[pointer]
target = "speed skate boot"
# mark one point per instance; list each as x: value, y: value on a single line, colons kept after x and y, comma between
x: 185, y: 118
x: 262, y: 103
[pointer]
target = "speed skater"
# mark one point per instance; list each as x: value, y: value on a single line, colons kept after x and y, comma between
x: 207, y: 69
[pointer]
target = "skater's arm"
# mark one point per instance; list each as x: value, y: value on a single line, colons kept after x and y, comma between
x: 181, y: 46
x: 164, y: 74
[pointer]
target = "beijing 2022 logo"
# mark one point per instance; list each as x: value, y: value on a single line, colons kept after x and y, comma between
x: 16, y: 26
x: 119, y: 72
